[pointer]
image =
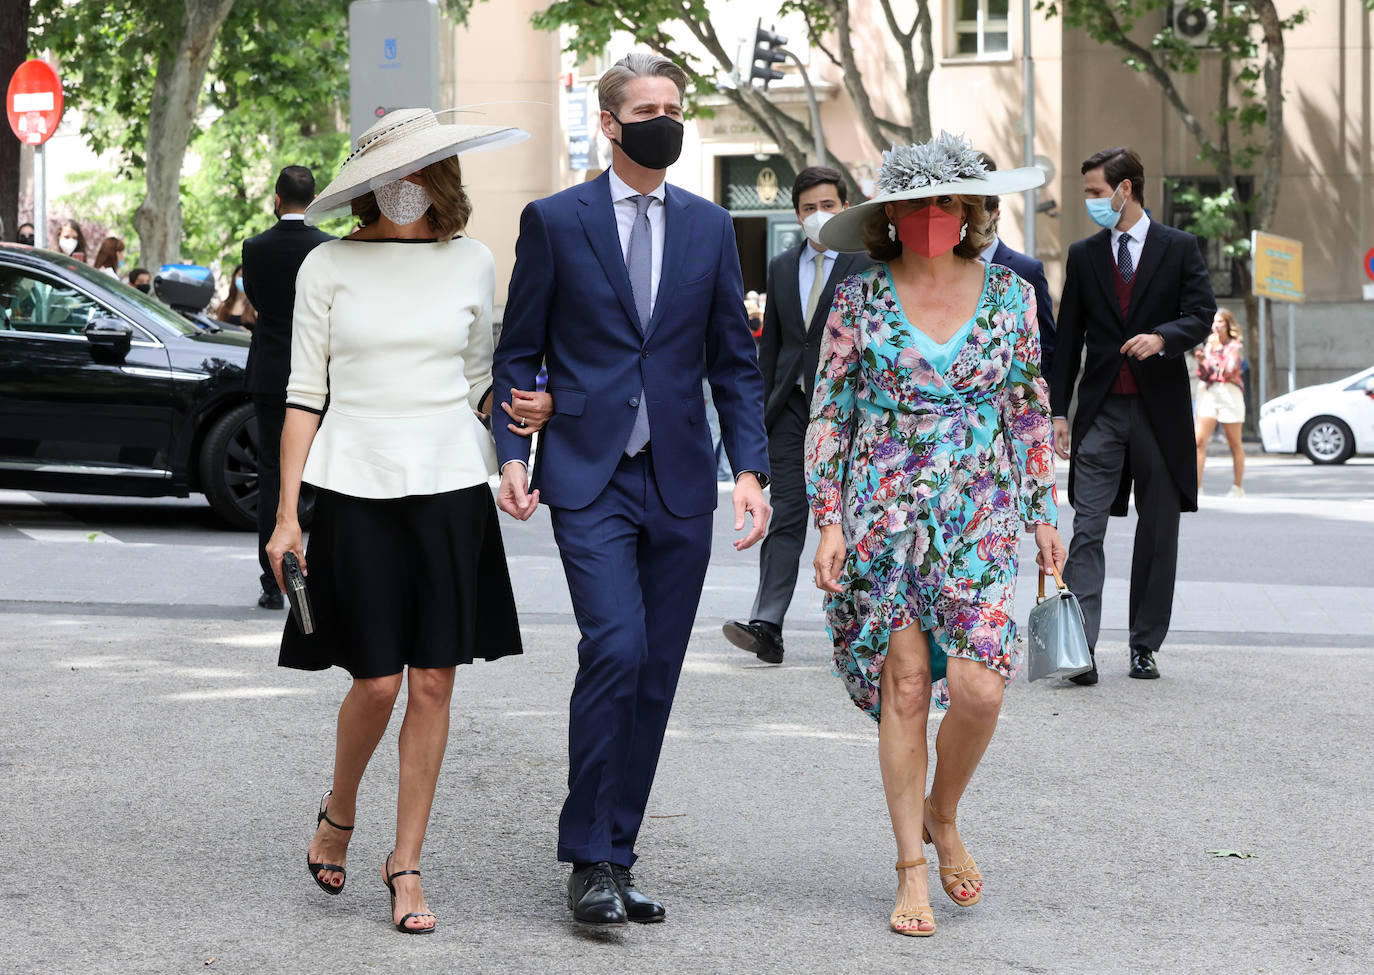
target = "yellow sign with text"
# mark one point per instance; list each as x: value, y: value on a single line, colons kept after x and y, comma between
x: 1277, y: 266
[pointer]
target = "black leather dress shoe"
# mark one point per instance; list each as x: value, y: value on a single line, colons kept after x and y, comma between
x: 640, y: 909
x: 1143, y: 666
x: 271, y: 600
x: 594, y: 896
x: 757, y: 638
x: 1089, y: 677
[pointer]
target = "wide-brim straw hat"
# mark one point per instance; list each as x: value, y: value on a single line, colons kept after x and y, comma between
x: 947, y: 165
x: 402, y: 142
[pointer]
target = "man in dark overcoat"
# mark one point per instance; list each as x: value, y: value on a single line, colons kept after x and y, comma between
x: 801, y: 286
x: 270, y: 262
x: 1137, y: 295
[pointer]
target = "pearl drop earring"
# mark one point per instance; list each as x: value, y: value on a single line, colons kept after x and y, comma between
x: 892, y: 233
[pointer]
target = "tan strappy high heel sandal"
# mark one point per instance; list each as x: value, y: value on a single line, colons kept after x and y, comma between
x: 917, y: 914
x: 953, y: 877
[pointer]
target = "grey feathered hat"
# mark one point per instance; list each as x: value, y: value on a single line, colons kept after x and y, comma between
x: 947, y: 165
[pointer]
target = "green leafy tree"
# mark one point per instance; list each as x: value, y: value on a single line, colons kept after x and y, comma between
x: 699, y: 47
x: 150, y: 76
x: 1239, y: 133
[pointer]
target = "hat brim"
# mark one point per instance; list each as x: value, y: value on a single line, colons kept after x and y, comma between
x: 390, y: 163
x: 844, y: 232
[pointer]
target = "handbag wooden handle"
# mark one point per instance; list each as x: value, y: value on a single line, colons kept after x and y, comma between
x: 1058, y: 579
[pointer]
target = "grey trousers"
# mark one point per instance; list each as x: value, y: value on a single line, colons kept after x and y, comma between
x: 786, y: 538
x: 1121, y: 430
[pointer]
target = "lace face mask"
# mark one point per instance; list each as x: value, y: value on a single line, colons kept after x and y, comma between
x: 402, y: 202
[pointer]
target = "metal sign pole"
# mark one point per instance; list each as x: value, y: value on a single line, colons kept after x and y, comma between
x: 40, y: 200
x: 1263, y: 346
x: 1292, y: 351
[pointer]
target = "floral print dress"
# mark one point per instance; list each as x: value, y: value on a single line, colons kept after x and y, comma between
x: 931, y: 474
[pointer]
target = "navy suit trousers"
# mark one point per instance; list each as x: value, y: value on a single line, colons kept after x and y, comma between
x: 635, y: 572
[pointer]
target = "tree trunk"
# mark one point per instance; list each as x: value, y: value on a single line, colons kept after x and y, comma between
x: 175, y: 101
x: 14, y: 34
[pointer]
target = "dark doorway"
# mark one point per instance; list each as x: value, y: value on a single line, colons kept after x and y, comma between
x: 751, y: 237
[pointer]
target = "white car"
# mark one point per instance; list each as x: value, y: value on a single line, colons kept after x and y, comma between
x: 1329, y: 423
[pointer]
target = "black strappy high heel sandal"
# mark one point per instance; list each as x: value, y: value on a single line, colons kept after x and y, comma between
x: 315, y: 868
x: 401, y: 924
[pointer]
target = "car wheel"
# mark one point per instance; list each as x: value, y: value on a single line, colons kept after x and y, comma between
x: 1326, y: 440
x: 229, y: 471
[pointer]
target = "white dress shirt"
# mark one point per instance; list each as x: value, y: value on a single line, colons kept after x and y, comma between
x: 625, y: 212
x: 292, y: 216
x: 806, y: 273
x: 1137, y: 244
x: 989, y: 250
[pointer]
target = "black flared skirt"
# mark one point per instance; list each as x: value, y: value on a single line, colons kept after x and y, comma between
x: 419, y: 581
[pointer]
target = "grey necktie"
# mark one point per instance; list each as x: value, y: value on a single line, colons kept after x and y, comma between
x: 817, y: 286
x: 640, y: 262
x: 1124, y: 264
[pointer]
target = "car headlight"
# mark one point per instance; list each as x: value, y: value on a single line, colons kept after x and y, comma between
x: 1278, y: 406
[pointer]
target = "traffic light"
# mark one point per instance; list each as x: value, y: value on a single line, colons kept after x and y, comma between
x: 766, y: 54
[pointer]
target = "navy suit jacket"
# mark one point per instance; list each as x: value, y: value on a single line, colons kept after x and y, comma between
x: 1033, y: 271
x: 570, y: 307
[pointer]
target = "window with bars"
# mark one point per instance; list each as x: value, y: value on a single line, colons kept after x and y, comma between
x: 979, y: 29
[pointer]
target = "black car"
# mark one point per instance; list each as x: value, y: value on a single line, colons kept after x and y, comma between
x: 105, y: 391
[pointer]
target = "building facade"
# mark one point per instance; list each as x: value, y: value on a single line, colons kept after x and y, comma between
x: 1085, y: 99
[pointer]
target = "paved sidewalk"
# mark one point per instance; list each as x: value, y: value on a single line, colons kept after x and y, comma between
x: 160, y: 778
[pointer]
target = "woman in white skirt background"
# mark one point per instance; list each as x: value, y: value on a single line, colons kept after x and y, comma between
x: 1221, y: 395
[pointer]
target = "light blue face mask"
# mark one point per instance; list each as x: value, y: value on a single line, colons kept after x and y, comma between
x: 238, y: 282
x: 1101, y: 212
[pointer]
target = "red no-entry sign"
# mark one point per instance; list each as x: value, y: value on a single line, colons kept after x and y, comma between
x: 34, y: 102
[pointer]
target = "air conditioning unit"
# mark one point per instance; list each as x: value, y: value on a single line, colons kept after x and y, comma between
x: 1192, y: 24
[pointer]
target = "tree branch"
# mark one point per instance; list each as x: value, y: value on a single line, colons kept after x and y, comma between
x: 854, y: 85
x: 1111, y: 30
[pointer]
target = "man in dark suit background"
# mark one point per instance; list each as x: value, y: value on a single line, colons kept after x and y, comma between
x: 270, y: 262
x: 629, y: 289
x: 1028, y: 269
x: 801, y: 287
x: 1137, y: 295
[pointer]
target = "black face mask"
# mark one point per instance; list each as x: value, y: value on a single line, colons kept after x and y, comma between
x: 654, y: 143
x: 145, y: 287
x: 26, y: 239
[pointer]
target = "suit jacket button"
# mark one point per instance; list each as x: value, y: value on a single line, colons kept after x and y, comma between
x: 634, y: 401
x: 646, y: 353
x: 807, y: 346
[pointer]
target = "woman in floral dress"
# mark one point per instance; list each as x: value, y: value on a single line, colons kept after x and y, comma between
x: 928, y: 451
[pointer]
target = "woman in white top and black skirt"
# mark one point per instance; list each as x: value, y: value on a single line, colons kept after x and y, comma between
x: 390, y: 379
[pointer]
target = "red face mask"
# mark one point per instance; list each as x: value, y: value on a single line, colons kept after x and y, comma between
x: 930, y: 231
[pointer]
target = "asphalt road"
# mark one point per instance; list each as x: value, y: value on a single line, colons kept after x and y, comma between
x: 160, y: 774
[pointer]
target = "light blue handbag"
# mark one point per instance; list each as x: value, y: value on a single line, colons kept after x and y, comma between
x: 1057, y: 645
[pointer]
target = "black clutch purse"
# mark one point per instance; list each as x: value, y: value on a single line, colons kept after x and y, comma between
x: 297, y: 593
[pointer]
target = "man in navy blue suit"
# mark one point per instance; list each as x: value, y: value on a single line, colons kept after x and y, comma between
x: 1029, y: 270
x: 629, y: 290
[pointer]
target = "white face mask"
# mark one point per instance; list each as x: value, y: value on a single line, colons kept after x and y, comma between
x: 402, y: 202
x: 813, y: 224
x: 67, y: 245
